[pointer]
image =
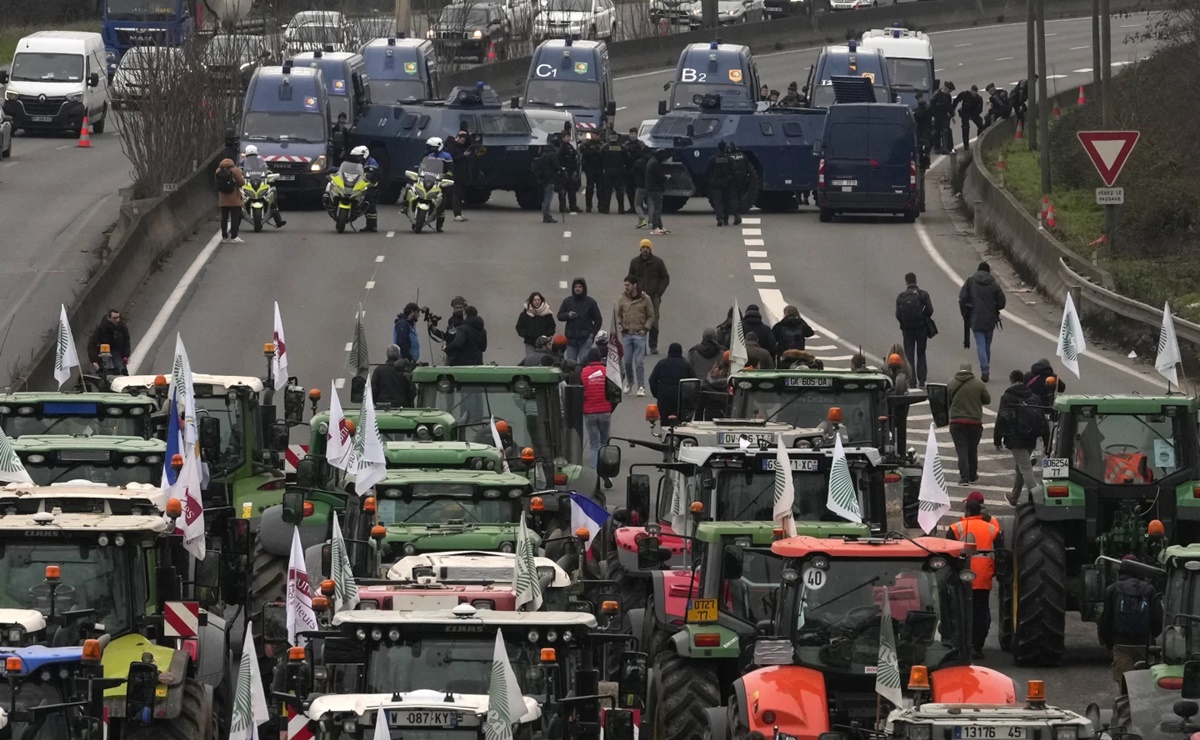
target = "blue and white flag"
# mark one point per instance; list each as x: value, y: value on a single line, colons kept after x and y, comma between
x: 588, y: 514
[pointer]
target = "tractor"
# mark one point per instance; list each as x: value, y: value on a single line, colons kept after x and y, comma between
x: 82, y: 414
x: 53, y: 692
x: 106, y: 460
x: 1116, y: 464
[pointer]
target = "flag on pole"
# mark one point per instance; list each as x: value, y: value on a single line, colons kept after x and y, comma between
x: 367, y: 461
x: 300, y: 614
x: 279, y: 362
x: 345, y: 591
x: 505, y: 703
x: 187, y: 489
x: 525, y: 575
x: 785, y: 490
x: 1168, y: 348
x: 381, y: 726
x: 843, y: 498
x: 174, y: 444
x: 887, y: 671
x: 182, y: 391
x: 738, y: 357
x: 65, y: 356
x: 499, y: 445
x: 249, y: 699
x: 358, y: 360
x: 12, y: 470
x: 612, y: 362
x: 932, y: 501
x: 338, y: 440
x: 679, y: 502
x: 587, y: 514
x: 1071, y: 344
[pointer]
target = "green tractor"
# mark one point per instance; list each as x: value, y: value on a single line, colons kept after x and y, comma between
x: 85, y: 414
x: 1117, y: 464
x: 106, y: 460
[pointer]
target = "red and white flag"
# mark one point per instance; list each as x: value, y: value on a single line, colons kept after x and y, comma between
x: 300, y: 614
x: 338, y: 439
x: 187, y: 489
x: 279, y: 363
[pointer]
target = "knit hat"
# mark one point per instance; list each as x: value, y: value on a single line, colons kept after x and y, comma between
x: 645, y: 244
x: 974, y: 497
x: 559, y: 341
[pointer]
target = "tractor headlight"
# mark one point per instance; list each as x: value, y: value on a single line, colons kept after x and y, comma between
x: 360, y: 635
x: 394, y: 635
x: 918, y: 732
x: 376, y: 634
x: 16, y: 635
x: 349, y: 726
x: 439, y: 430
x: 1065, y: 732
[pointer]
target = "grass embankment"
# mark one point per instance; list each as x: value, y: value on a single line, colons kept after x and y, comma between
x: 10, y: 35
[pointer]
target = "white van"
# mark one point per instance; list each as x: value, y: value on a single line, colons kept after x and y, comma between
x: 56, y: 78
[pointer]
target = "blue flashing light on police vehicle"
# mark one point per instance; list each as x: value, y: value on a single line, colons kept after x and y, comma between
x: 848, y: 60
x: 714, y: 68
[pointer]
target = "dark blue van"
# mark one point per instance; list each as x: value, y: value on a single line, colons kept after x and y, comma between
x: 848, y: 61
x: 402, y: 70
x: 286, y: 115
x: 565, y: 74
x: 870, y: 161
x: 346, y: 82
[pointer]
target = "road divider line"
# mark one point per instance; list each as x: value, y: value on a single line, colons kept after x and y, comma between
x: 390, y: 234
x: 820, y: 347
x: 566, y: 235
x: 370, y: 285
x: 1081, y: 48
x: 565, y: 258
x: 764, y: 278
x: 751, y: 232
x: 753, y: 253
x: 754, y: 242
x: 752, y: 220
x: 380, y: 257
x: 760, y: 265
x: 562, y: 284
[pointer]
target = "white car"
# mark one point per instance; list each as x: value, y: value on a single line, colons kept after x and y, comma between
x: 852, y: 4
x: 137, y: 70
x: 312, y: 30
x: 588, y: 19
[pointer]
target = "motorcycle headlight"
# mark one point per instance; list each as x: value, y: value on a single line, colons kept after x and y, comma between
x: 477, y: 35
x: 318, y: 164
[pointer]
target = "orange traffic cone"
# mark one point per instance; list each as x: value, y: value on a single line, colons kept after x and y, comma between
x: 1050, y: 221
x: 1000, y: 163
x: 491, y: 55
x: 85, y: 134
x: 1045, y: 207
x: 1082, y: 97
x: 1020, y: 131
x: 1056, y: 111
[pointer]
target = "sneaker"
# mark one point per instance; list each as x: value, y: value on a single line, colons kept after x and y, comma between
x: 238, y: 240
x: 985, y: 378
x: 658, y: 232
x: 1033, y: 458
x: 964, y: 482
x: 654, y: 350
x: 549, y: 220
x: 459, y: 218
x: 737, y: 220
x: 641, y: 391
x: 642, y: 223
x: 1012, y: 498
x: 573, y: 212
x: 224, y: 240
x: 629, y: 387
x: 974, y: 478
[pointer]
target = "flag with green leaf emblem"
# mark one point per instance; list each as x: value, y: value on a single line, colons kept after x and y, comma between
x: 932, y: 500
x: 65, y: 356
x: 1071, y: 344
x: 738, y: 357
x: 1168, y: 348
x: 11, y: 468
x: 785, y: 490
x: 345, y: 593
x: 887, y: 670
x: 249, y: 700
x: 843, y: 497
x: 367, y: 461
x: 505, y: 703
x: 612, y: 359
x: 525, y: 577
x: 358, y: 360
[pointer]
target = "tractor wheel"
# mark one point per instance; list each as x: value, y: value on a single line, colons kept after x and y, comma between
x: 195, y: 720
x: 653, y: 640
x: 268, y: 583
x: 1039, y: 625
x: 632, y: 590
x: 683, y: 690
x: 1122, y: 716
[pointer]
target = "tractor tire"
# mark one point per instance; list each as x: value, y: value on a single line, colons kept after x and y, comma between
x: 268, y: 583
x: 196, y: 720
x: 1039, y: 626
x: 1122, y: 715
x: 633, y: 590
x: 684, y: 689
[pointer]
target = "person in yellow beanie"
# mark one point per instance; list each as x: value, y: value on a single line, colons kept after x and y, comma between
x: 653, y: 279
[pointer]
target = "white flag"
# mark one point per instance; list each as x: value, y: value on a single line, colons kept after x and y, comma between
x: 187, y: 489
x: 338, y: 440
x: 887, y: 669
x: 367, y: 461
x: 279, y: 363
x: 506, y: 705
x: 12, y: 470
x: 843, y: 498
x: 300, y: 614
x: 612, y: 362
x: 932, y: 502
x: 345, y: 591
x: 1071, y: 344
x: 499, y: 445
x: 525, y: 575
x: 381, y: 726
x: 1168, y: 348
x: 737, y: 341
x: 785, y: 490
x: 249, y: 700
x: 182, y: 391
x: 65, y: 356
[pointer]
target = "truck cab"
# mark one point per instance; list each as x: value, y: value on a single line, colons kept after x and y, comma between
x: 848, y: 61
x: 727, y: 70
x: 346, y: 82
x: 286, y: 114
x: 573, y: 75
x: 909, y: 57
x: 130, y: 23
x: 402, y: 70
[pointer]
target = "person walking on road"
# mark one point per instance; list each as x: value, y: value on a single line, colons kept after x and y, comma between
x: 229, y: 197
x: 720, y: 184
x: 470, y: 341
x: 597, y: 409
x: 656, y: 186
x: 641, y: 200
x: 1045, y: 384
x: 1019, y: 426
x: 791, y: 332
x: 664, y: 381
x: 752, y: 323
x: 535, y: 320
x: 635, y: 319
x: 1131, y: 620
x: 967, y: 395
x: 112, y: 331
x: 941, y: 106
x: 581, y: 319
x: 914, y: 312
x: 704, y: 355
x: 981, y: 300
x: 988, y: 538
x: 548, y: 169
x: 653, y: 279
x: 390, y: 385
x: 969, y: 105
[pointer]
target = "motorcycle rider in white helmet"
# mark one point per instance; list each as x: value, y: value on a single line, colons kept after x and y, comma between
x: 253, y: 164
x: 362, y: 155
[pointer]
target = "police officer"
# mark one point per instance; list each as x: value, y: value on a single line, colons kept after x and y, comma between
x: 942, y: 108
x: 568, y: 158
x: 988, y: 539
x: 633, y: 160
x: 793, y: 99
x: 1019, y: 97
x: 924, y: 120
x: 999, y: 106
x: 742, y: 172
x: 362, y: 155
x: 1132, y: 618
x: 460, y: 151
x: 720, y: 183
x: 971, y: 103
x: 590, y: 150
x: 612, y: 174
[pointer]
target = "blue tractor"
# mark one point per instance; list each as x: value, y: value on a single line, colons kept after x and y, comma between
x: 53, y: 692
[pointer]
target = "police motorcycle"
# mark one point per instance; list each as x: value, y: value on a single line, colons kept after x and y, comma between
x: 259, y: 200
x: 424, y: 197
x: 346, y: 195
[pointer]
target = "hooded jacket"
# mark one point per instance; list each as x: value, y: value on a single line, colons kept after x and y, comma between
x: 635, y: 314
x: 469, y: 343
x: 651, y: 274
x: 756, y: 355
x: 664, y: 380
x: 790, y: 333
x: 587, y: 319
x: 753, y: 324
x: 234, y: 199
x: 968, y: 395
x: 532, y: 324
x: 1036, y: 378
x: 981, y: 299
x: 1005, y: 432
x: 116, y: 336
x: 703, y: 356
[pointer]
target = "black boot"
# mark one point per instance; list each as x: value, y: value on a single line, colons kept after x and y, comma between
x: 372, y: 224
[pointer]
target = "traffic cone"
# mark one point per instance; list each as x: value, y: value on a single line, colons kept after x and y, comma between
x: 1000, y: 163
x: 1020, y: 131
x: 1056, y: 111
x: 662, y: 27
x: 1045, y: 207
x: 85, y: 135
x: 1050, y: 221
x: 1082, y: 97
x: 491, y: 55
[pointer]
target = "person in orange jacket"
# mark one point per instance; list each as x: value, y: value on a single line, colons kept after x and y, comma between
x: 988, y: 539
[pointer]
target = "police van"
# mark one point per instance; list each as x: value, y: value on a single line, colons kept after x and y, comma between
x: 870, y: 162
x: 346, y: 82
x: 572, y: 75
x: 848, y: 61
x: 286, y: 115
x: 402, y: 70
x: 727, y: 70
x: 909, y: 61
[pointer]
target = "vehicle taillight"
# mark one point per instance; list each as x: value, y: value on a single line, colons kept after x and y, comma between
x: 821, y: 175
x: 912, y: 176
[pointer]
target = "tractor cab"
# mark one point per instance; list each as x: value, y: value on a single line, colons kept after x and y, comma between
x: 85, y: 414
x: 100, y: 460
x: 52, y: 691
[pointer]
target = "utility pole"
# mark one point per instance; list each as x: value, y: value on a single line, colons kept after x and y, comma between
x: 1031, y: 131
x: 404, y: 17
x: 1096, y: 51
x: 1043, y: 109
x: 1106, y: 109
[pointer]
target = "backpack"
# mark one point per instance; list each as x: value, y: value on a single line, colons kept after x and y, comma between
x: 910, y: 309
x: 612, y: 392
x: 1131, y: 609
x: 225, y: 182
x: 1028, y: 419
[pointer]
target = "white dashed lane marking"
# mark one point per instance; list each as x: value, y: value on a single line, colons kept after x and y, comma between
x: 565, y: 258
x: 370, y: 285
x: 380, y: 257
x: 764, y: 278
x: 753, y: 242
x: 751, y: 232
x: 760, y: 265
x: 753, y: 253
x: 390, y: 234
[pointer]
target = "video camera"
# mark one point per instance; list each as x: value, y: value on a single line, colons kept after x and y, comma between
x: 430, y: 317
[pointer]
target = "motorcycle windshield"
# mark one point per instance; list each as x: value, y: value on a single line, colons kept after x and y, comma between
x: 350, y: 172
x: 432, y: 167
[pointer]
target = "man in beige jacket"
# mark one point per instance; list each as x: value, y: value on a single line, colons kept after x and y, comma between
x: 635, y: 319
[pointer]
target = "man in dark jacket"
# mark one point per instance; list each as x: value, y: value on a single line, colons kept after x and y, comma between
x: 1131, y: 620
x: 460, y: 152
x: 914, y: 310
x: 111, y: 331
x: 613, y: 179
x: 458, y: 316
x: 971, y: 103
x: 941, y: 105
x: 581, y: 318
x: 999, y: 106
x: 756, y: 355
x: 1019, y: 98
x: 791, y: 331
x: 590, y: 159
x: 548, y: 169
x: 653, y: 279
x: 703, y: 356
x: 923, y: 116
x: 656, y: 185
x: 720, y: 183
x: 1045, y: 383
x: 404, y: 333
x: 981, y: 300
x: 743, y: 173
x: 1019, y: 425
x: 569, y: 158
x: 641, y: 201
x: 752, y: 323
x: 470, y: 342
x: 664, y: 380
x: 390, y: 385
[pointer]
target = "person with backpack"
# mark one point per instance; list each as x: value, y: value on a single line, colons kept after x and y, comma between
x: 1045, y: 383
x: 914, y: 312
x: 665, y: 378
x: 1019, y: 426
x: 229, y: 197
x: 1132, y: 618
x: 971, y: 103
x: 989, y: 539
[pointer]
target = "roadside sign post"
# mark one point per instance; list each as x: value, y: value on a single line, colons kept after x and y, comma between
x: 1109, y: 151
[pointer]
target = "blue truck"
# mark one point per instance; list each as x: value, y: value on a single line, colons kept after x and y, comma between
x: 129, y: 23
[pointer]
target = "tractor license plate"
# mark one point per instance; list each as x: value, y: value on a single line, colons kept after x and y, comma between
x: 803, y: 382
x: 987, y: 732
x: 287, y: 178
x: 702, y: 610
x: 41, y: 119
x: 422, y: 718
x: 1054, y: 467
x: 733, y: 439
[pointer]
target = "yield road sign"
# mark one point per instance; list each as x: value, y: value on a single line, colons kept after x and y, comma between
x: 1108, y: 150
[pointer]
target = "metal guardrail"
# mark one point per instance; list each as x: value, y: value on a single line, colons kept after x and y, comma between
x: 1127, y: 308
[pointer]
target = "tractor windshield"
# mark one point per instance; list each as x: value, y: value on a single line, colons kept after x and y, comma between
x: 46, y: 472
x: 1125, y: 449
x: 229, y: 412
x: 473, y: 405
x: 750, y: 496
x: 440, y: 507
x: 93, y: 577
x: 806, y: 408
x: 75, y: 419
x: 836, y: 614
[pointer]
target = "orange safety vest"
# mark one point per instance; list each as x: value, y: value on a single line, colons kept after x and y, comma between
x: 985, y: 533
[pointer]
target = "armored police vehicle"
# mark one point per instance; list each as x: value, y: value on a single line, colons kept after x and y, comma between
x: 909, y: 61
x: 848, y: 61
x: 346, y: 82
x: 401, y: 70
x: 714, y: 68
x: 572, y: 75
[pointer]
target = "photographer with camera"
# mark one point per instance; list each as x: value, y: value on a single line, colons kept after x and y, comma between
x: 458, y: 307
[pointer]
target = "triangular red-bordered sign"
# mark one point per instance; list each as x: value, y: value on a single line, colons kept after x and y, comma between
x: 1108, y: 150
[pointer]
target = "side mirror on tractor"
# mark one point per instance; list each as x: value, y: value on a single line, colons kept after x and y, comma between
x: 1191, y: 680
x: 306, y: 473
x: 939, y: 403
x: 689, y: 400
x: 208, y: 579
x: 608, y: 463
x: 651, y: 554
x: 274, y: 622
x: 210, y: 438
x: 637, y: 497
x: 293, y: 506
x: 139, y: 692
x: 633, y: 681
x: 278, y: 437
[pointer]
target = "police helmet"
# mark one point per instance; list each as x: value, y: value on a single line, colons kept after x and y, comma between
x: 251, y: 151
x: 360, y: 152
x: 434, y: 143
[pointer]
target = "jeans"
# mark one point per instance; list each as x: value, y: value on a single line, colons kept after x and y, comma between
x: 657, y: 301
x: 981, y: 616
x: 983, y: 348
x: 654, y: 210
x: 231, y: 219
x: 966, y: 446
x: 597, y: 427
x: 914, y: 348
x: 1024, y: 479
x: 639, y: 202
x: 577, y: 349
x: 635, y: 357
x: 547, y: 199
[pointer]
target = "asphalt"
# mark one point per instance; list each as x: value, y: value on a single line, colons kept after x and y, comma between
x: 843, y: 276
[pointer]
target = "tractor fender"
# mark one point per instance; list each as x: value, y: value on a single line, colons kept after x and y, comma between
x: 972, y: 684
x: 635, y: 618
x: 211, y: 659
x: 716, y: 719
x: 670, y: 610
x: 796, y: 695
x: 276, y: 535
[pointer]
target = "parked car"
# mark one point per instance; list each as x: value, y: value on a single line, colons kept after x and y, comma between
x: 310, y: 30
x: 852, y: 4
x: 470, y: 30
x: 6, y: 136
x: 139, y: 67
x: 588, y: 19
x: 784, y: 8
x: 232, y: 58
